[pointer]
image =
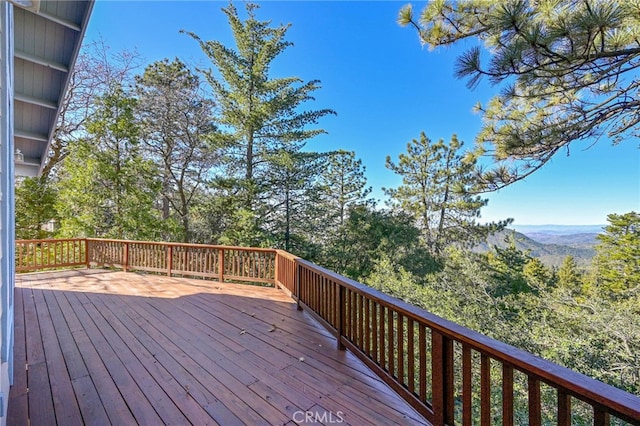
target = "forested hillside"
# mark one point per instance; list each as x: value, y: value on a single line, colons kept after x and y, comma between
x: 219, y: 155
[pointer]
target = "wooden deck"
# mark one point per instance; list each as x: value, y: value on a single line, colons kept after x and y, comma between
x: 98, y: 347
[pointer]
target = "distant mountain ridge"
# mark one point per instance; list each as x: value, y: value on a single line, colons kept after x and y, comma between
x: 559, y: 229
x: 552, y: 252
x: 587, y: 240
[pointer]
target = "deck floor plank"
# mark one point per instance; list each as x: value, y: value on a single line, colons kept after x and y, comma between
x: 136, y: 401
x: 64, y: 397
x: 153, y: 392
x: 219, y: 382
x: 18, y: 409
x: 40, y: 399
x: 192, y: 410
x: 112, y: 401
x: 127, y: 348
x: 88, y: 399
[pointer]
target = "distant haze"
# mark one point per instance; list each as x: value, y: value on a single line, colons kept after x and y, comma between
x: 558, y: 229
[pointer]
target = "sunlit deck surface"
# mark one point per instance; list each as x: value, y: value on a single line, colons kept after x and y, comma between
x: 120, y: 348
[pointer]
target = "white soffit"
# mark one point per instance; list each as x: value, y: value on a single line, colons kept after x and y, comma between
x: 47, y: 39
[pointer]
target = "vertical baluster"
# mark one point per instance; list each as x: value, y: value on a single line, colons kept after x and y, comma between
x: 126, y: 257
x: 390, y: 345
x: 332, y: 296
x: 507, y: 395
x: 466, y: 385
x: 340, y: 310
x: 485, y: 390
x: 411, y: 353
x: 325, y: 299
x: 367, y: 326
x: 564, y: 408
x: 360, y: 321
x: 297, y: 282
x: 534, y: 401
x: 600, y: 416
x: 221, y: 264
x: 374, y: 330
x: 400, y: 347
x: 381, y: 334
x: 422, y: 370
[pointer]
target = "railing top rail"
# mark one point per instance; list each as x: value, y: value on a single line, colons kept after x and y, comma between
x: 577, y: 384
x: 50, y: 240
x: 194, y: 245
x: 287, y: 255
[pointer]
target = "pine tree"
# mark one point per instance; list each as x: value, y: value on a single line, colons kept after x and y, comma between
x: 617, y: 258
x: 294, y: 201
x: 178, y: 130
x: 436, y: 183
x: 345, y: 185
x: 568, y: 70
x: 263, y: 114
x: 569, y: 276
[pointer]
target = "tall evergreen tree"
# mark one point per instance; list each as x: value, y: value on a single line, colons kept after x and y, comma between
x: 618, y: 254
x: 568, y: 68
x: 345, y: 185
x: 294, y: 201
x: 178, y: 131
x: 263, y: 114
x: 569, y: 276
x: 436, y: 183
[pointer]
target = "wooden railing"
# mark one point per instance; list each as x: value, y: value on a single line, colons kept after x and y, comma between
x: 191, y: 260
x: 35, y: 255
x: 450, y: 374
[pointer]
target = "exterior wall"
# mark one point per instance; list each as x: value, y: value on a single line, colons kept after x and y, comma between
x: 7, y: 215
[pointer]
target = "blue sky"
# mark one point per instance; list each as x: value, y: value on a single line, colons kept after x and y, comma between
x: 386, y: 89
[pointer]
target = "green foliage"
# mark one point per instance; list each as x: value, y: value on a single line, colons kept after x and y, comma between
x: 618, y: 254
x: 569, y: 276
x: 345, y: 185
x: 294, y: 200
x: 596, y: 335
x: 35, y: 207
x: 568, y: 70
x: 107, y: 188
x: 370, y: 234
x: 437, y: 179
x: 177, y: 127
x: 262, y: 113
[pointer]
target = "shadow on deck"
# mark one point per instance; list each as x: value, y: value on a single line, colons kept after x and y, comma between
x: 100, y: 347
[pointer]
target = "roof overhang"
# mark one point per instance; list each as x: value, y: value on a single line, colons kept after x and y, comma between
x: 47, y: 38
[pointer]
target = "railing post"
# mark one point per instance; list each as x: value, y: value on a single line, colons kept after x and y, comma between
x: 276, y: 269
x: 169, y: 260
x: 341, y: 312
x: 125, y: 265
x: 221, y: 265
x: 296, y: 282
x: 87, y: 259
